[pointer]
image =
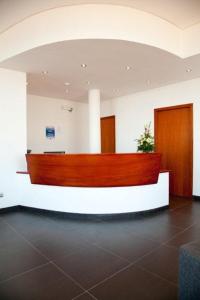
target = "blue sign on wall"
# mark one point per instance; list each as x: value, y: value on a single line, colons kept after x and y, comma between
x: 50, y: 132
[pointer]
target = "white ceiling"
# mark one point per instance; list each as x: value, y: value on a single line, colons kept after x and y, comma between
x: 106, y: 68
x: 106, y: 59
x: 182, y: 13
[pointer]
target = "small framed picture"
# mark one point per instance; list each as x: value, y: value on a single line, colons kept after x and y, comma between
x: 50, y: 132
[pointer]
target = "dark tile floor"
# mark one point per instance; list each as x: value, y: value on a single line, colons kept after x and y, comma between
x: 52, y: 257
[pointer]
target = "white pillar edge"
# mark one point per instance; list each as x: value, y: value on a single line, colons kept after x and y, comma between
x: 94, y: 121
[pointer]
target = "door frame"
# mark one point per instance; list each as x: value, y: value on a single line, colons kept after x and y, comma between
x: 188, y: 105
x: 110, y: 117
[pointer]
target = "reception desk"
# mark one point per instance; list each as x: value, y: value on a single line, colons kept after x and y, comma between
x: 95, y: 183
x: 94, y: 170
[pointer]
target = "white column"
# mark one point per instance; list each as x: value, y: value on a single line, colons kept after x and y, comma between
x: 94, y: 121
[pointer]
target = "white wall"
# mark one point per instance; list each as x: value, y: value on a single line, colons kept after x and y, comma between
x: 12, y: 134
x: 133, y: 111
x: 106, y: 108
x: 71, y: 127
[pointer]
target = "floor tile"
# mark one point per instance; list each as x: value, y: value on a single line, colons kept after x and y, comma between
x: 178, y: 202
x: 45, y: 283
x: 94, y: 253
x: 171, y: 217
x: 135, y: 283
x: 90, y: 265
x: 7, y: 234
x: 18, y: 257
x: 93, y: 232
x: 77, y: 224
x: 20, y: 218
x: 54, y: 246
x: 34, y: 230
x: 157, y: 231
x: 192, y: 211
x: 130, y: 247
x: 163, y: 262
x: 181, y: 219
x: 189, y: 235
x: 85, y: 296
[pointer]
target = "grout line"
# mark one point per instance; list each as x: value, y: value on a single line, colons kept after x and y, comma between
x: 25, y: 272
x: 176, y: 235
x: 85, y: 293
x: 76, y: 297
x: 123, y: 269
x: 109, y: 277
x: 68, y: 276
x: 157, y: 275
x: 92, y: 295
x: 127, y: 267
x: 145, y: 237
x: 49, y: 261
x: 106, y: 250
x: 52, y: 262
x: 28, y: 242
x: 105, y: 279
x: 113, y: 253
x: 146, y: 254
x: 170, y: 246
x: 139, y: 258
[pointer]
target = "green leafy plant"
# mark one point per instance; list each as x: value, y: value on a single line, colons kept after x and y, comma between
x: 146, y: 141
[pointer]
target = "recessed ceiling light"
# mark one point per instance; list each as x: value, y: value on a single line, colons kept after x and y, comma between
x: 67, y: 83
x: 45, y: 72
x: 128, y: 68
x: 188, y: 70
x: 83, y: 65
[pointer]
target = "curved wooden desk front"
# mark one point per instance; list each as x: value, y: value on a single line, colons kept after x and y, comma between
x: 95, y: 183
x: 94, y: 170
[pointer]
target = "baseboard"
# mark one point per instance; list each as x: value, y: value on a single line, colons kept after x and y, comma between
x: 9, y: 209
x: 78, y: 216
x: 196, y: 198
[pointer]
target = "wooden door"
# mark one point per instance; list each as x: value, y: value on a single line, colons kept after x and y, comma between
x: 174, y: 139
x: 108, y: 134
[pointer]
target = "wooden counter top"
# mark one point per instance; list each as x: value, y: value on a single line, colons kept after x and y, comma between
x: 94, y: 170
x: 22, y: 172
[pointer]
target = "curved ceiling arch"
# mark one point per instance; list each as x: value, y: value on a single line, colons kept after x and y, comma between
x: 90, y: 21
x: 182, y: 14
x: 93, y: 23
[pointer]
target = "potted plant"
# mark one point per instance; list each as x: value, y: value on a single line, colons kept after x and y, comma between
x: 146, y: 141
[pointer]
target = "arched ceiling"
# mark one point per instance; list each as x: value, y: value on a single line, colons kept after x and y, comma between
x: 60, y: 40
x: 182, y: 13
